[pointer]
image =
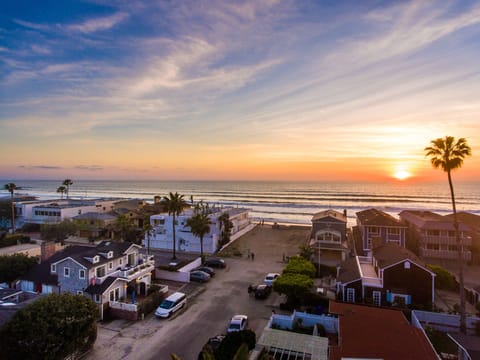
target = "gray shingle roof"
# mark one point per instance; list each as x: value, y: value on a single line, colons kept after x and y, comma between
x: 390, y: 253
x: 349, y: 271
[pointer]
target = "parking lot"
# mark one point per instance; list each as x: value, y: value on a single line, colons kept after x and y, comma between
x: 209, y: 306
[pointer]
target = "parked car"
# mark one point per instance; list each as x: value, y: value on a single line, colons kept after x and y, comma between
x: 262, y: 291
x: 270, y: 278
x: 237, y: 323
x: 206, y: 269
x: 215, y: 262
x: 171, y: 304
x: 214, y: 342
x: 199, y: 276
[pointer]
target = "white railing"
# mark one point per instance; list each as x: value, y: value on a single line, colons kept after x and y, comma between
x: 447, y: 240
x: 371, y: 281
x: 123, y: 306
x: 134, y: 271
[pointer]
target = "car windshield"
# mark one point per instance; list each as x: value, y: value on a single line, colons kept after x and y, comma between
x: 235, y: 326
x: 167, y: 304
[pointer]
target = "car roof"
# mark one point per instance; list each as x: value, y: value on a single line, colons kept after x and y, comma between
x: 175, y: 296
x: 239, y: 317
x: 272, y: 274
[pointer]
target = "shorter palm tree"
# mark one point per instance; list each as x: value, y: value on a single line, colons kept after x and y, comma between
x: 62, y: 190
x: 67, y: 183
x: 11, y: 187
x: 200, y: 226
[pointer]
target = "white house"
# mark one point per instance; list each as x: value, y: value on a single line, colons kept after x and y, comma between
x: 161, y: 236
x: 54, y: 211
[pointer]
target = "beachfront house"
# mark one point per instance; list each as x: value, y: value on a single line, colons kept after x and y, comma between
x: 391, y: 274
x: 328, y: 238
x: 93, y: 225
x: 434, y: 235
x: 375, y: 227
x: 55, y: 211
x: 107, y: 273
x: 161, y: 235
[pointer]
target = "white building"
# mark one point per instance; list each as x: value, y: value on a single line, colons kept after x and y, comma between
x: 161, y: 237
x: 55, y: 211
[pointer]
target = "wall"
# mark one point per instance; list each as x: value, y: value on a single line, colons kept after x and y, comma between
x: 330, y: 323
x: 182, y: 275
x: 442, y: 322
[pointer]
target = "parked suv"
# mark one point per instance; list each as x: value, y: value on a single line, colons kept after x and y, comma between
x: 215, y: 262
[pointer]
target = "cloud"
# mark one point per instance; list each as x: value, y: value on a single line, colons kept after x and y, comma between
x: 42, y: 167
x: 98, y: 24
x: 31, y: 25
x: 89, y: 167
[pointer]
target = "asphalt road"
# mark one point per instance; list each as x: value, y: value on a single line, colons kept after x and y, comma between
x: 209, y: 309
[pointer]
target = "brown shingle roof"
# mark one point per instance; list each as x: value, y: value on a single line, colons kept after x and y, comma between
x: 390, y: 253
x: 349, y: 271
x: 376, y: 333
x: 374, y: 217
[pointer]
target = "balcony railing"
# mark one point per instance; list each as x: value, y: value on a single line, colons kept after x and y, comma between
x: 446, y: 240
x: 147, y: 265
x: 445, y: 254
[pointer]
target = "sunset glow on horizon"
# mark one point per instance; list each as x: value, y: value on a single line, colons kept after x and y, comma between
x: 251, y: 90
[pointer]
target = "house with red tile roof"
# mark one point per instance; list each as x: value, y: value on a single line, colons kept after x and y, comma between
x: 366, y: 332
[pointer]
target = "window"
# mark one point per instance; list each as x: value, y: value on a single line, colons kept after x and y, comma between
x: 100, y: 271
x: 131, y: 259
x: 393, y: 231
x: 66, y: 271
x: 350, y: 295
x: 110, y: 265
x: 97, y: 298
x: 115, y: 294
x: 81, y: 274
x: 121, y: 261
x: 53, y: 268
x: 377, y: 298
x: 406, y: 265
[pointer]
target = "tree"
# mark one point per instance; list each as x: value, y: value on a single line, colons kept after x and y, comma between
x: 226, y: 227
x: 200, y: 225
x: 14, y: 266
x: 58, y: 232
x: 294, y: 286
x: 62, y: 190
x: 174, y: 205
x: 232, y: 342
x: 53, y: 327
x: 448, y: 155
x: 11, y: 187
x: 299, y: 265
x: 67, y: 183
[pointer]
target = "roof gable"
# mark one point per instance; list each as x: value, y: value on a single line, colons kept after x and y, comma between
x: 374, y: 217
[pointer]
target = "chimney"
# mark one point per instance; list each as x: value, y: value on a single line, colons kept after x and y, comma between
x: 47, y: 249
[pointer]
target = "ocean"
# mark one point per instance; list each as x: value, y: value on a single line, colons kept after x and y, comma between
x: 281, y: 202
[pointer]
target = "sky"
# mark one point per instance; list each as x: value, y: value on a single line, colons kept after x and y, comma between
x: 237, y: 90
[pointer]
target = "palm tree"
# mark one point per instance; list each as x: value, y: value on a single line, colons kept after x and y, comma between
x: 448, y: 155
x: 62, y: 190
x: 200, y: 226
x: 67, y: 183
x: 11, y: 187
x: 174, y: 205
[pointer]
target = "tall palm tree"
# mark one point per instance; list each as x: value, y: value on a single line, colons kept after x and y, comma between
x: 448, y: 154
x: 67, y: 183
x: 11, y: 187
x: 62, y: 190
x: 200, y: 226
x: 174, y: 205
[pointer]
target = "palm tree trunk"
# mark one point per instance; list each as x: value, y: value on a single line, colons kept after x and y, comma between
x: 463, y: 320
x: 13, y: 212
x: 174, y: 244
x: 201, y: 249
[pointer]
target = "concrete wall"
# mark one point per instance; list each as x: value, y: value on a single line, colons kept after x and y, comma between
x: 330, y: 323
x: 182, y: 275
x: 442, y: 322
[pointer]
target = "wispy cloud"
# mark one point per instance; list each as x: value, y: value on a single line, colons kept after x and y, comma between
x: 89, y: 167
x: 98, y: 24
x: 41, y: 167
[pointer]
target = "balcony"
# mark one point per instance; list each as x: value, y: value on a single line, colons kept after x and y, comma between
x: 446, y: 240
x: 445, y: 254
x: 146, y: 264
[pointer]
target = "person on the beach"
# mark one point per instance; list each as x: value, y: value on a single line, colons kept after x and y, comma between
x: 252, y: 255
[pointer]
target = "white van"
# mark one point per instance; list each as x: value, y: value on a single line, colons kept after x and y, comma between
x: 174, y: 302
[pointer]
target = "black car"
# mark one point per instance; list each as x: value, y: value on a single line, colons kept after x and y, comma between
x: 262, y: 291
x: 213, y: 343
x: 215, y: 262
x: 206, y: 269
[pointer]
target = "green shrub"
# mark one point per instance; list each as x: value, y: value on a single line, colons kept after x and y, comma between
x: 444, y: 280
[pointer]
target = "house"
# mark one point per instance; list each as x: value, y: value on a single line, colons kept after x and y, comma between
x: 12, y: 300
x: 329, y: 237
x: 366, y: 332
x: 375, y: 226
x: 94, y: 225
x: 107, y: 273
x: 473, y: 222
x: 55, y: 211
x: 435, y: 235
x: 391, y: 275
x: 161, y: 236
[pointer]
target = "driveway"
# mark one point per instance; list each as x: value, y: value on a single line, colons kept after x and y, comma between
x: 209, y: 306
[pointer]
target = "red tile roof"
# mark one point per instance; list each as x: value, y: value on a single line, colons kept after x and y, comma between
x: 376, y: 333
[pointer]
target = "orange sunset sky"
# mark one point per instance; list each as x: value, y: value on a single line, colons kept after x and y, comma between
x: 250, y: 90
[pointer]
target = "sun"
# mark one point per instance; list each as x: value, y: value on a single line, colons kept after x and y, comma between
x: 402, y: 175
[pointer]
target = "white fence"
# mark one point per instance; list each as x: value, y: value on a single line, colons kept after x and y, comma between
x: 442, y: 322
x: 181, y: 275
x: 329, y: 323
